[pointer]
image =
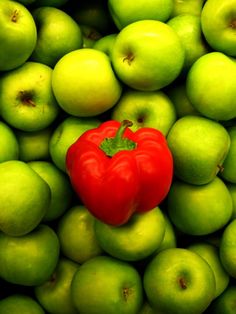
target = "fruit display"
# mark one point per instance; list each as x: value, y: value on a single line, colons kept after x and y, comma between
x: 117, y: 157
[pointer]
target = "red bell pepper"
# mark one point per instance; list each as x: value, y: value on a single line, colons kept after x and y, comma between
x: 117, y: 172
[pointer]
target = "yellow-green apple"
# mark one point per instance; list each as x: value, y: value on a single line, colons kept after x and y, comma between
x: 107, y: 285
x: 210, y: 86
x: 228, y: 248
x: 210, y: 253
x: 19, y: 303
x: 147, y: 55
x: 178, y: 95
x: 18, y: 34
x: 145, y: 109
x: 65, y: 134
x: 27, y: 101
x: 188, y: 27
x: 172, y: 282
x: 105, y: 43
x: 24, y: 198
x: 76, y: 234
x: 124, y: 13
x: 9, y: 145
x: 218, y: 21
x: 60, y: 187
x: 199, y: 147
x: 225, y: 303
x: 193, y: 7
x: 199, y: 209
x: 78, y: 88
x: 34, y: 145
x: 55, y: 293
x: 31, y: 259
x: 229, y: 168
x: 58, y: 34
x: 135, y: 240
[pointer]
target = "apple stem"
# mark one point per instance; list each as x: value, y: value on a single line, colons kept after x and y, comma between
x: 129, y: 58
x: 221, y: 168
x: 14, y: 16
x: 182, y: 283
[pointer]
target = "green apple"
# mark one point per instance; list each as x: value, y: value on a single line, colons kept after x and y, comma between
x: 65, y: 134
x: 55, y: 293
x: 24, y: 198
x: 31, y: 259
x: 124, y: 13
x: 20, y: 303
x: 210, y: 86
x: 228, y: 248
x: 61, y: 189
x: 188, y: 27
x: 145, y: 109
x: 193, y: 7
x: 34, y: 145
x: 75, y: 82
x: 210, y: 253
x: 27, y: 102
x: 218, y: 21
x: 107, y: 285
x: 225, y: 303
x: 9, y: 145
x: 199, y: 147
x: 18, y: 34
x: 105, y: 43
x: 94, y: 14
x: 76, y: 234
x: 178, y: 95
x: 135, y: 240
x: 179, y: 281
x: 147, y: 55
x: 199, y: 209
x: 229, y: 168
x: 58, y: 34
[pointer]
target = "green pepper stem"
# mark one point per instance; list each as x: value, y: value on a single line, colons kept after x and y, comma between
x: 113, y: 145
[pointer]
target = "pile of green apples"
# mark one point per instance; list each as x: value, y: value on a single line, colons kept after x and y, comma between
x: 65, y: 67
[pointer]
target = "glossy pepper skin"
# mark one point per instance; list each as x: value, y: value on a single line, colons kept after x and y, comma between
x: 132, y: 179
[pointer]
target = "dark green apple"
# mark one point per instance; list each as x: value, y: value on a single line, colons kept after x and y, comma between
x: 179, y: 281
x: 29, y: 260
x: 199, y: 209
x: 20, y: 303
x: 107, y: 285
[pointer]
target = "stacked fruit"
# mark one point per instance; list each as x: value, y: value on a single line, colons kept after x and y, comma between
x: 144, y: 221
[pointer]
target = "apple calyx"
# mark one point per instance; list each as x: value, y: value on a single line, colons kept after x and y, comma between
x: 26, y: 98
x: 14, y: 16
x: 126, y: 293
x: 113, y: 145
x: 129, y: 58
